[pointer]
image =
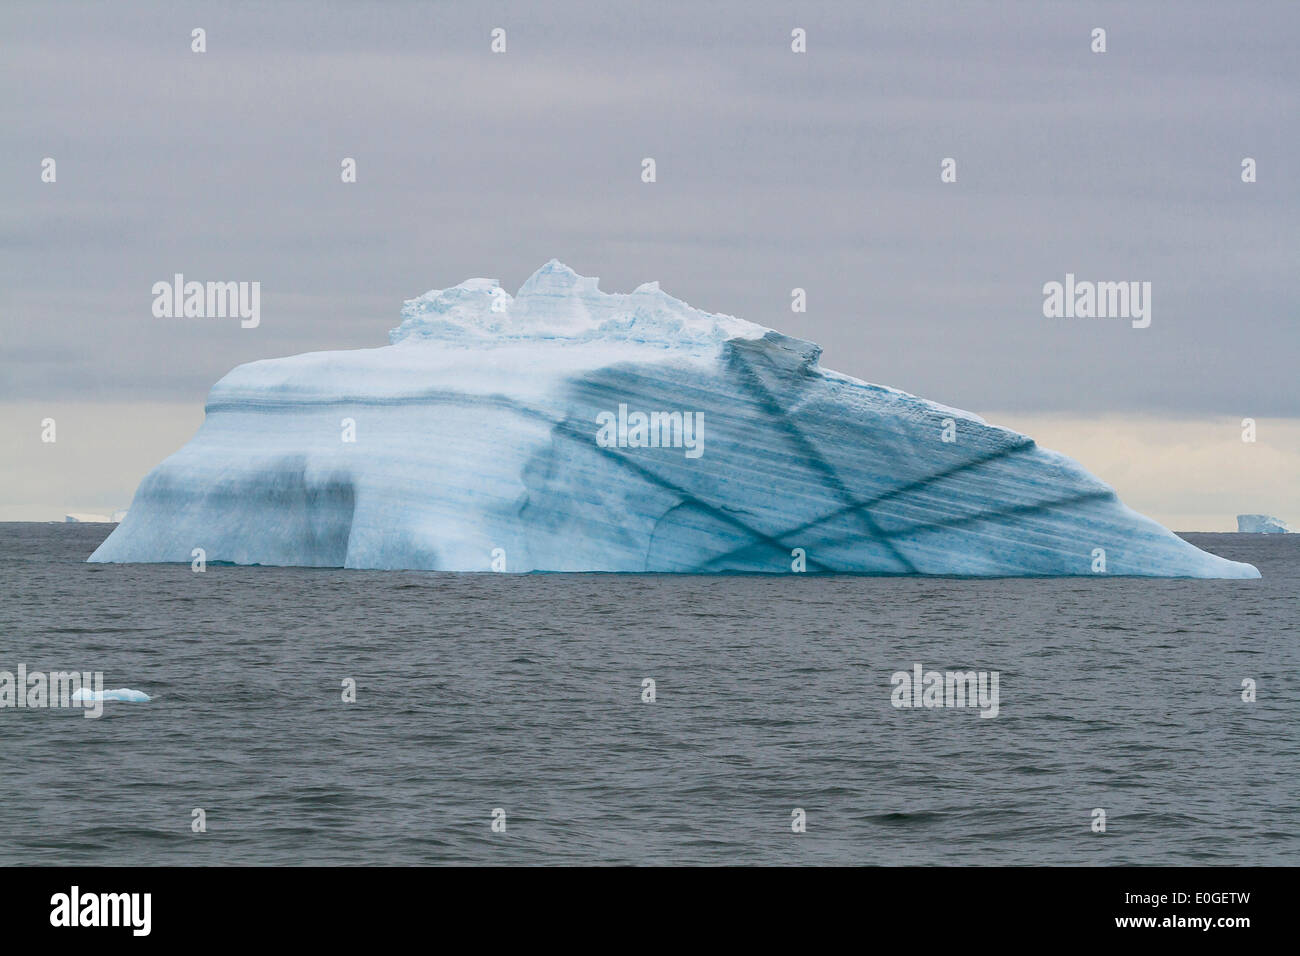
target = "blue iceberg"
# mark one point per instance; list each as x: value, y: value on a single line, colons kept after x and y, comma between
x: 1262, y: 524
x: 569, y: 429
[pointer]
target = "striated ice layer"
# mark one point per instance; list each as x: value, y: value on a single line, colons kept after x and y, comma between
x: 501, y: 433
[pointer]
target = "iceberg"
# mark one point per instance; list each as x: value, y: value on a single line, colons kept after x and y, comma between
x: 569, y: 429
x: 83, y: 518
x: 123, y: 694
x: 1262, y: 524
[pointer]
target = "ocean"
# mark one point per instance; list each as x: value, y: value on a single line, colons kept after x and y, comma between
x: 521, y: 701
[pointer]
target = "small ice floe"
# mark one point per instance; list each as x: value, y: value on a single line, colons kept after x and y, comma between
x: 124, y: 694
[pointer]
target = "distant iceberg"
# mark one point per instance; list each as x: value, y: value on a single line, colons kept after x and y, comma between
x: 78, y: 517
x: 567, y: 429
x: 124, y: 694
x: 1262, y: 524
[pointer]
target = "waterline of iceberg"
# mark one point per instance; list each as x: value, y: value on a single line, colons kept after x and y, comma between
x: 547, y: 432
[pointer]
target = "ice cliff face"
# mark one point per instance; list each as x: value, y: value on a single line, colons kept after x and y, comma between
x: 566, y: 429
x: 1262, y: 524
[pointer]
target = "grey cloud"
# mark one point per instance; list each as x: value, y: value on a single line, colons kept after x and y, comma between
x: 775, y: 171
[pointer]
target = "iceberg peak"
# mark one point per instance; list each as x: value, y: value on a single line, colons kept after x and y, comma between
x: 555, y: 278
x: 556, y: 304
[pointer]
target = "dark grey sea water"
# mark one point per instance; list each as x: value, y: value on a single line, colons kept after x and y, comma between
x: 477, y: 692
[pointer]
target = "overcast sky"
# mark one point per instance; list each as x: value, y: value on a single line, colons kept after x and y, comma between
x: 775, y: 170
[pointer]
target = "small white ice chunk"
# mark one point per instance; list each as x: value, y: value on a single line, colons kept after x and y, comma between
x: 124, y: 694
